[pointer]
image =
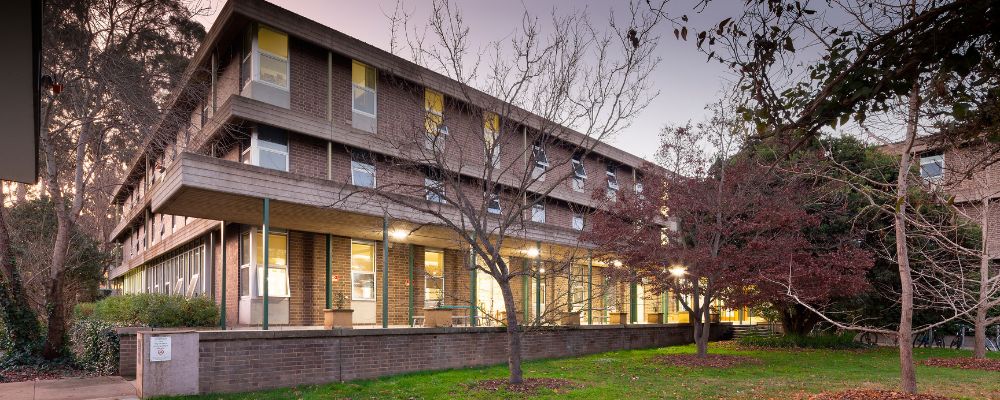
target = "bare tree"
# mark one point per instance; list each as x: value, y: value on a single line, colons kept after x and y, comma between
x: 483, y: 162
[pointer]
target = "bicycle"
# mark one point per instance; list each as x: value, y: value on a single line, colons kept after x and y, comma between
x: 994, y: 345
x: 928, y: 339
x: 959, y: 341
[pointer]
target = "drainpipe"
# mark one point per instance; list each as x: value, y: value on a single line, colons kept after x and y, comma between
x: 385, y: 270
x: 329, y: 283
x: 267, y: 243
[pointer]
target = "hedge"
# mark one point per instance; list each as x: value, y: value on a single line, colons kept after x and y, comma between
x: 152, y: 310
x: 819, y: 341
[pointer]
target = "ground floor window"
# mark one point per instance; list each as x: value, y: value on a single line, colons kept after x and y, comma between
x: 433, y: 278
x: 182, y: 272
x: 362, y: 270
x: 578, y: 287
x: 252, y: 264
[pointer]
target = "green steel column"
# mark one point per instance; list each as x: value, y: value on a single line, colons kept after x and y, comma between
x: 329, y: 272
x: 526, y: 288
x: 473, y: 305
x: 385, y: 271
x: 569, y: 288
x: 633, y: 302
x: 267, y: 234
x: 222, y: 244
x: 590, y: 288
x: 663, y: 297
x: 538, y: 281
x: 409, y: 251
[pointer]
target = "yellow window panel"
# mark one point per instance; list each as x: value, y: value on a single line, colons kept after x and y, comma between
x: 272, y: 41
x: 491, y: 122
x: 432, y: 122
x: 433, y: 101
x: 362, y: 75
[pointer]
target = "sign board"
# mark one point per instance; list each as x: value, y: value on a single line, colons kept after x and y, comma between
x: 336, y: 278
x: 159, y: 348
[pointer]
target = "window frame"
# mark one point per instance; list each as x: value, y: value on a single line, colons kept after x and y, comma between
x: 936, y: 158
x: 373, y: 90
x: 427, y: 276
x: 373, y: 273
x: 578, y: 217
x: 491, y: 138
x: 579, y: 181
x: 535, y: 211
x: 255, y: 149
x: 363, y: 162
x: 258, y: 53
x: 430, y: 183
x: 493, y: 198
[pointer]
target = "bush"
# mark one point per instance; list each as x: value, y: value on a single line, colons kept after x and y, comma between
x: 153, y: 310
x: 820, y: 341
x: 95, y: 345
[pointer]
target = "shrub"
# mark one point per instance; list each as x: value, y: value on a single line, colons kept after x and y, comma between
x: 95, y: 345
x: 820, y: 341
x: 155, y: 310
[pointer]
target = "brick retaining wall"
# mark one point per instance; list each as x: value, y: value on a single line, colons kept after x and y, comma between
x: 239, y: 361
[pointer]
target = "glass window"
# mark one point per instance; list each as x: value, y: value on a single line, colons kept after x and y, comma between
x: 273, y: 46
x: 364, y: 96
x: 579, y: 173
x: 493, y: 203
x: 433, y: 278
x: 271, y: 148
x: 434, y: 187
x: 932, y: 166
x: 578, y: 222
x: 612, y: 177
x: 491, y: 132
x: 362, y: 169
x: 362, y: 270
x: 538, y: 212
x: 277, y: 268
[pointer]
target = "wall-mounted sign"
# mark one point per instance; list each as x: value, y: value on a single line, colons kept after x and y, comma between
x: 159, y: 348
x: 336, y: 278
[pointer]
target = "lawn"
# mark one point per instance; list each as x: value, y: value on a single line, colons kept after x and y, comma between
x: 633, y: 374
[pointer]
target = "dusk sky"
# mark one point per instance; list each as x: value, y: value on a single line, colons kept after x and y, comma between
x: 686, y: 82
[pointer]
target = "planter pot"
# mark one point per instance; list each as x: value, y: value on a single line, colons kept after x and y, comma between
x: 618, y: 318
x: 570, y: 318
x: 337, y: 319
x: 654, y: 318
x: 714, y: 318
x: 436, y: 317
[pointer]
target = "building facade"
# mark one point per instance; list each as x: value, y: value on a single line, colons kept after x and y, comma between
x: 261, y: 159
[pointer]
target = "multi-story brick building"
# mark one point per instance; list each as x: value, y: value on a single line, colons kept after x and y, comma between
x: 288, y: 123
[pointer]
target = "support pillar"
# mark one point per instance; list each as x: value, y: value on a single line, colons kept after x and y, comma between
x: 385, y: 271
x: 538, y: 281
x: 329, y: 272
x: 590, y: 288
x: 267, y: 243
x: 410, y: 287
x: 526, y: 288
x: 473, y: 301
x: 633, y: 302
x: 222, y: 264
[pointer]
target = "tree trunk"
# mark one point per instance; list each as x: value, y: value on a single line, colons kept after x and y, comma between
x: 797, y: 320
x: 908, y: 377
x: 984, y: 277
x: 54, y: 300
x: 698, y: 319
x: 513, y: 334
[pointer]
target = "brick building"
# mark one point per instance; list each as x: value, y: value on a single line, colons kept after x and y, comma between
x: 282, y: 122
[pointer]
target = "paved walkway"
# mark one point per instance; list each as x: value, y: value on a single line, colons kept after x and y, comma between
x: 101, y: 387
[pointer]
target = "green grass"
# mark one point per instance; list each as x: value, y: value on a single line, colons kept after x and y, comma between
x: 632, y: 374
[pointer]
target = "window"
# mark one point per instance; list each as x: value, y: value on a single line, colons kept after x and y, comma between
x: 578, y: 289
x: 362, y: 169
x: 364, y: 96
x: 579, y: 173
x: 204, y: 113
x: 434, y: 119
x: 180, y: 273
x: 578, y: 221
x: 493, y: 203
x: 638, y: 191
x: 932, y: 166
x: 541, y: 160
x: 273, y: 52
x: 434, y: 187
x: 268, y: 148
x: 362, y: 270
x: 491, y: 132
x: 433, y: 278
x: 538, y: 212
x: 252, y: 264
x: 612, y: 177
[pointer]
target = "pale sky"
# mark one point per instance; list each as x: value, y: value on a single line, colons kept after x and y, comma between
x: 686, y: 82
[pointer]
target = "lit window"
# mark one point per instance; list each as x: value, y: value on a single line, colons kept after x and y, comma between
x: 932, y: 166
x: 493, y: 203
x: 273, y: 51
x: 252, y: 264
x: 362, y: 169
x: 491, y: 132
x: 578, y: 222
x: 433, y: 278
x: 579, y: 173
x: 538, y: 212
x: 362, y: 270
x: 434, y: 187
x: 434, y: 118
x: 364, y: 97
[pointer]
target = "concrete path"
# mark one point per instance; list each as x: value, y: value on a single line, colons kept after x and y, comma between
x: 96, y: 388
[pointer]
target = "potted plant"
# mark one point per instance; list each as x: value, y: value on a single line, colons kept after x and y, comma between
x: 570, y: 318
x: 339, y: 316
x: 655, y: 317
x: 437, y: 316
x: 618, y: 316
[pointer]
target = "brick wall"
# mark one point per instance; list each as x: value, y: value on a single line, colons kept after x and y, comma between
x: 126, y: 351
x: 238, y: 361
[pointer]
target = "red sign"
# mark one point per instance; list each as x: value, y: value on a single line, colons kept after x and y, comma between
x: 336, y: 278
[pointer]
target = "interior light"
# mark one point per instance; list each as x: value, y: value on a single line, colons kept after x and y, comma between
x: 678, y: 271
x: 399, y: 234
x: 533, y: 252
